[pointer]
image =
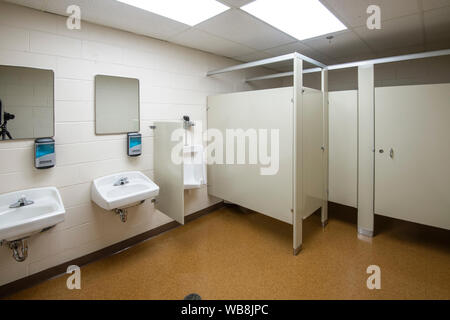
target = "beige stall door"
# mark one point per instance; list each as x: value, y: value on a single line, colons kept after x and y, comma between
x: 343, y: 146
x: 412, y: 155
x: 312, y: 152
x: 244, y: 184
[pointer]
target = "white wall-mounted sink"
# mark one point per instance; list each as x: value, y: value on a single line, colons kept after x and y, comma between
x: 122, y: 190
x: 26, y: 212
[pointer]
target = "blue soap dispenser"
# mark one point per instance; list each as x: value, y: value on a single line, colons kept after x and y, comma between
x: 44, y: 153
x: 134, y: 144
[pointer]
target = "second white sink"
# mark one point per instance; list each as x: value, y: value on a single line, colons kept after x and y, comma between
x: 122, y: 190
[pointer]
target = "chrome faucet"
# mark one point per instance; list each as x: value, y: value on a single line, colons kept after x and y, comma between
x: 22, y: 202
x: 121, y: 181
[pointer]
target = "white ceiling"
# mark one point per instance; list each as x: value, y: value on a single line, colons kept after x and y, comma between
x: 407, y: 26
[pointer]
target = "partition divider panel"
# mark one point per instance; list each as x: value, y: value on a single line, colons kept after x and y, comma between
x: 250, y: 184
x: 304, y: 142
x: 169, y: 175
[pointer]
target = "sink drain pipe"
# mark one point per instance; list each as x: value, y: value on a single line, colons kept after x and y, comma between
x: 19, y: 249
x: 123, y: 212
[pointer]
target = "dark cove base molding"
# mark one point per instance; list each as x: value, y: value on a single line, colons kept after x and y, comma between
x: 41, y: 276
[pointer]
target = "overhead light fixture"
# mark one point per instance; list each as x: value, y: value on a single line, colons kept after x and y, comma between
x: 190, y: 12
x: 302, y: 19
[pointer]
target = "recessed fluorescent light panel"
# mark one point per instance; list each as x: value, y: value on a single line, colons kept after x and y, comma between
x: 302, y: 19
x: 190, y: 12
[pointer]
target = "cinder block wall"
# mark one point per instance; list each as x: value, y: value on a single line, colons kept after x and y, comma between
x: 172, y: 84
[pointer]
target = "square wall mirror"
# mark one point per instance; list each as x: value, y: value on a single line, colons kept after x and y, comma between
x: 116, y: 105
x: 26, y: 103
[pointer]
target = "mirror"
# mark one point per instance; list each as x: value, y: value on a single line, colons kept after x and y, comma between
x: 27, y: 103
x: 116, y: 105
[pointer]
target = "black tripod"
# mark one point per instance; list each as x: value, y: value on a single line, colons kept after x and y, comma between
x: 4, y: 126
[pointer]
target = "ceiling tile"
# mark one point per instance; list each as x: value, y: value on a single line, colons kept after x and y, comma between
x: 256, y: 55
x: 435, y: 4
x: 344, y: 44
x: 296, y: 46
x: 362, y: 57
x: 237, y: 34
x: 111, y: 13
x: 438, y: 45
x: 355, y: 12
x: 437, y: 25
x: 201, y: 40
x: 400, y: 51
x: 238, y: 26
x: 138, y: 21
x: 35, y: 4
x: 282, y: 68
x: 289, y: 66
x: 396, y: 33
x: 300, y: 48
x: 236, y: 3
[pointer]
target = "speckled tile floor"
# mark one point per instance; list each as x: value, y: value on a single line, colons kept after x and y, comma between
x: 230, y: 254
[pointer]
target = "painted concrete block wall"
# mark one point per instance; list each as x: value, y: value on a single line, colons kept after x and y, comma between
x: 173, y: 84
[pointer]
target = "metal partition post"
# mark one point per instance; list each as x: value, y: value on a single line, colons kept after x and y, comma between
x: 297, y: 210
x: 325, y: 147
x: 366, y: 145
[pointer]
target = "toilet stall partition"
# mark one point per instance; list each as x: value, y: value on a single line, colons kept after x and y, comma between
x: 255, y: 113
x: 293, y: 116
x: 366, y: 158
x: 168, y: 175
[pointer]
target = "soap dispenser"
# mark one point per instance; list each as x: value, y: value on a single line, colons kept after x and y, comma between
x: 44, y: 153
x: 134, y: 144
